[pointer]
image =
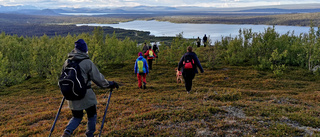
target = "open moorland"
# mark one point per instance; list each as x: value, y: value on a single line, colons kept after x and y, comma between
x: 225, y: 101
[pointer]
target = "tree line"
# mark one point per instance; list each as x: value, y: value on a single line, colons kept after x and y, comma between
x: 25, y: 57
x: 269, y: 50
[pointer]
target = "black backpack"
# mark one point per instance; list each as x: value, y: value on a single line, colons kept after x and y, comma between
x: 188, y: 62
x: 71, y: 82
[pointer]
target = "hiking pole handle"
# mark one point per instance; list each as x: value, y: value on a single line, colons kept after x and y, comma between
x: 105, y: 112
x: 55, y: 120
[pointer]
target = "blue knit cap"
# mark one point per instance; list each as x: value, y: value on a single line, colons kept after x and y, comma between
x: 81, y: 45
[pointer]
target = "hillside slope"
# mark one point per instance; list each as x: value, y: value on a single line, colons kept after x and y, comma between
x: 225, y: 101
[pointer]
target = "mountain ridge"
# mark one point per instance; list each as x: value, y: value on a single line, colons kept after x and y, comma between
x: 278, y: 9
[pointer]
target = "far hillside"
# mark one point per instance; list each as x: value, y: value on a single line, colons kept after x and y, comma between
x: 51, y: 22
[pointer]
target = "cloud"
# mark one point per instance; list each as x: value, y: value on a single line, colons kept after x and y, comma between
x: 173, y: 3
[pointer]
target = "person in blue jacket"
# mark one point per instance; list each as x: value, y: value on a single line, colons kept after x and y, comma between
x: 141, y: 69
x: 188, y: 65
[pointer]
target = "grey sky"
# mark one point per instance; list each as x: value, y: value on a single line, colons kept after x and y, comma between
x: 174, y: 3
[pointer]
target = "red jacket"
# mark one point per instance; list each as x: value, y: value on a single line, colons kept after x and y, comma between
x: 147, y: 54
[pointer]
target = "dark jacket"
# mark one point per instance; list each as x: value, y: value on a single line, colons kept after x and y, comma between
x: 90, y: 73
x: 155, y: 48
x: 145, y: 49
x: 205, y: 39
x: 196, y: 62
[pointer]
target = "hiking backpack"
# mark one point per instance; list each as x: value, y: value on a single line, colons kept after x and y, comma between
x: 71, y: 82
x: 151, y: 53
x: 188, y: 62
x: 140, y: 66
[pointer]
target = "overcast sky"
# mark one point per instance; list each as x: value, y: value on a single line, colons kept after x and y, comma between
x: 173, y: 3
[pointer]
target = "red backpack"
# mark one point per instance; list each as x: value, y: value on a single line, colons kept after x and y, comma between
x: 188, y: 62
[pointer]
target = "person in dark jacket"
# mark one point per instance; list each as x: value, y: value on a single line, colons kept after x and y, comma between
x: 145, y: 49
x: 205, y: 40
x: 155, y: 49
x: 198, y: 42
x: 90, y: 73
x: 190, y: 72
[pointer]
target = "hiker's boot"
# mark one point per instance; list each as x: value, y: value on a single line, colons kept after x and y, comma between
x: 144, y: 85
x: 65, y: 135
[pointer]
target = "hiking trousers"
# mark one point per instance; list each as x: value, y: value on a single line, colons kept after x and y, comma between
x: 76, y: 120
x: 188, y: 76
x: 198, y: 44
x: 144, y: 79
x: 150, y: 63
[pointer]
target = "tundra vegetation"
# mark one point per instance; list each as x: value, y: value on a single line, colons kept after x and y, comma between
x: 255, y: 84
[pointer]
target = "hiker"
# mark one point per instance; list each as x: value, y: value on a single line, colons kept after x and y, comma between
x: 150, y: 56
x: 155, y: 49
x: 88, y: 103
x: 204, y: 40
x: 198, y: 42
x: 141, y: 70
x: 145, y: 48
x: 188, y: 65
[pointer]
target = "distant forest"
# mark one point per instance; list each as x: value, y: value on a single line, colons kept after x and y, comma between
x: 35, y: 25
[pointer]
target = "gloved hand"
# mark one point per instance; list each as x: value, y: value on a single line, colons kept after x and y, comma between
x: 113, y: 84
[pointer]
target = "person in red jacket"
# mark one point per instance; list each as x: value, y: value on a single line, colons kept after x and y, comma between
x: 150, y: 56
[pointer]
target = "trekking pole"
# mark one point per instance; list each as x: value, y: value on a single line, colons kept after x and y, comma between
x: 105, y: 112
x: 55, y: 120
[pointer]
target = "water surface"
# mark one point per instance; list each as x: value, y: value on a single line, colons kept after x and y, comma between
x: 214, y: 31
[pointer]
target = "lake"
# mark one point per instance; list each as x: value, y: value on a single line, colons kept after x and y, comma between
x: 214, y: 31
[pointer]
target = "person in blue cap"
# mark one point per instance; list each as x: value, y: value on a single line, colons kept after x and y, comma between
x: 90, y: 73
x: 141, y: 69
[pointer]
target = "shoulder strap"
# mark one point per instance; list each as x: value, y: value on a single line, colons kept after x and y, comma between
x: 78, y: 62
x: 88, y: 87
x: 189, y: 56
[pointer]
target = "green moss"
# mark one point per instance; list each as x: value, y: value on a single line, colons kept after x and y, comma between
x: 282, y: 130
x: 306, y: 119
x: 215, y: 110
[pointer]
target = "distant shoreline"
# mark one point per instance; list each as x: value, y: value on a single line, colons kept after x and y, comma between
x: 38, y: 25
x: 192, y: 31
